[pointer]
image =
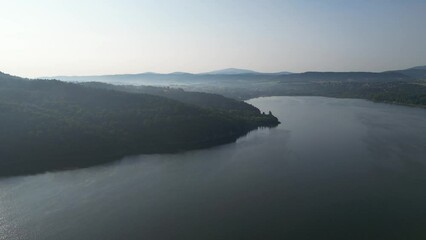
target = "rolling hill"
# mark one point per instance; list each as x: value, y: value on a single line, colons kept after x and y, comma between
x: 50, y: 125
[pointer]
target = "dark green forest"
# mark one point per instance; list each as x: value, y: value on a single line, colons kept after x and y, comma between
x: 405, y: 93
x: 200, y: 99
x: 406, y: 87
x: 50, y: 125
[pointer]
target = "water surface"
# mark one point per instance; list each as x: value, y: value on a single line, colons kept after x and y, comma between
x: 334, y: 169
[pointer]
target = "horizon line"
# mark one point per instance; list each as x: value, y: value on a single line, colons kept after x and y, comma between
x: 217, y: 70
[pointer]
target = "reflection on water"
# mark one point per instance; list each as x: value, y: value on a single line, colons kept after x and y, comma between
x: 334, y: 169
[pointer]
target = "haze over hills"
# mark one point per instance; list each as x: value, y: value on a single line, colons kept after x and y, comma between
x: 125, y: 117
x: 405, y: 86
x: 419, y: 68
x: 418, y: 72
x: 235, y: 73
x: 54, y: 125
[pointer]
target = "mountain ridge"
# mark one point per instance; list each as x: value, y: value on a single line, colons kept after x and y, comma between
x: 230, y: 72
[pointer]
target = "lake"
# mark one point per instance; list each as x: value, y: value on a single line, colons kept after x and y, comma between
x: 334, y: 169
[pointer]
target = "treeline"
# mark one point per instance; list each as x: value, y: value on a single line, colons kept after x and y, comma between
x: 407, y: 93
x: 205, y: 100
x: 411, y: 93
x: 50, y: 125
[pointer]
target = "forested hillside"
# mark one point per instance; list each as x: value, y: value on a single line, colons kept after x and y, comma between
x: 200, y: 99
x: 51, y: 125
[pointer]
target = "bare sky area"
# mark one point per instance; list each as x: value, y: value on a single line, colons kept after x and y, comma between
x: 80, y: 37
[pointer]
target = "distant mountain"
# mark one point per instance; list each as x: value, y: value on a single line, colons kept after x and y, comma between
x: 240, y: 77
x: 232, y: 71
x: 282, y: 73
x: 419, y: 68
x: 346, y: 76
x: 181, y: 73
x: 418, y: 72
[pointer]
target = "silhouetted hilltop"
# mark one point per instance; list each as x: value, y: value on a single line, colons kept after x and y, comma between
x: 232, y: 71
x: 415, y: 72
x: 233, y: 74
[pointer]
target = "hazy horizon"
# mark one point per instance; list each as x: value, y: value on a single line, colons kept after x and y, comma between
x: 212, y: 71
x: 53, y: 38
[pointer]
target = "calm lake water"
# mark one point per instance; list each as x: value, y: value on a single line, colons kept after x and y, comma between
x: 334, y: 169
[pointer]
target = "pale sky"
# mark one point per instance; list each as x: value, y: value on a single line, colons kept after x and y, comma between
x: 90, y: 37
